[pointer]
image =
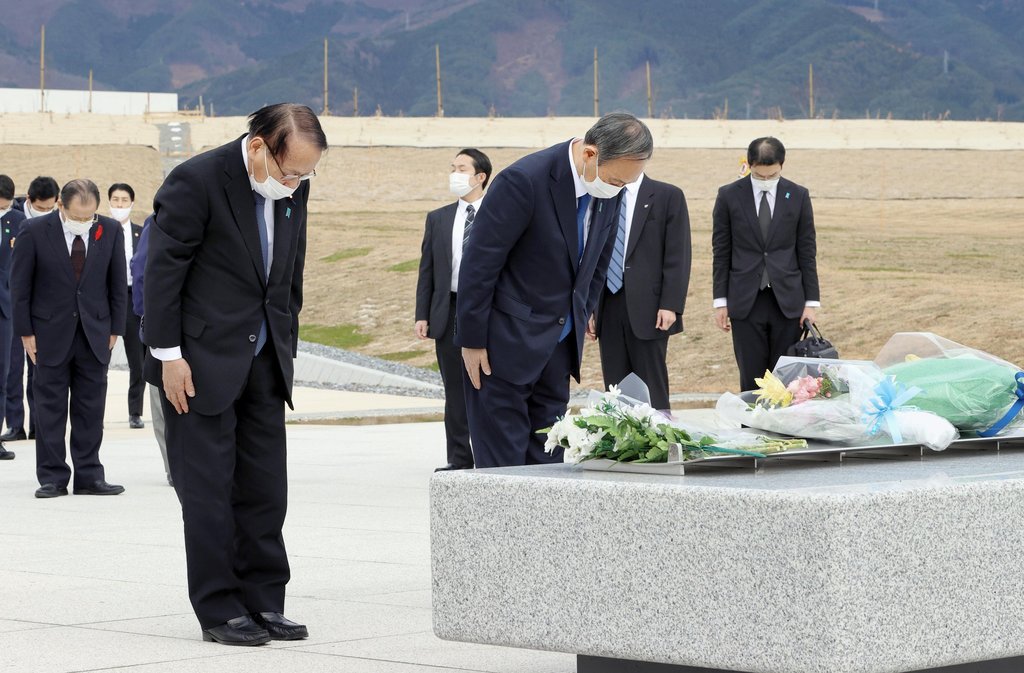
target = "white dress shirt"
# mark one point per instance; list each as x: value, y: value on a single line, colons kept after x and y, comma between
x: 629, y: 194
x: 458, y: 231
x: 722, y: 302
x: 580, y: 191
x: 268, y: 213
x: 126, y: 227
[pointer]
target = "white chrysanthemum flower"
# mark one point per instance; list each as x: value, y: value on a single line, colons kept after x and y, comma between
x: 614, y: 390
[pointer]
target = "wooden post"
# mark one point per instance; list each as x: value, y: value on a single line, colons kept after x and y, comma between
x: 810, y: 80
x: 437, y: 60
x: 355, y: 102
x: 90, y: 89
x: 42, y: 68
x: 597, y: 107
x: 327, y: 109
x: 650, y: 98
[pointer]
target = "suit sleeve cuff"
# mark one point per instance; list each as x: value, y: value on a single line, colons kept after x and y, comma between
x: 166, y: 354
x: 720, y: 302
x: 812, y: 304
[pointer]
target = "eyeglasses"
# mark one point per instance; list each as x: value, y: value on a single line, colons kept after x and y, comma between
x: 283, y: 178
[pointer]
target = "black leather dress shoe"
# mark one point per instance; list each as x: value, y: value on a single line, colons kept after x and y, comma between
x: 280, y: 628
x: 135, y: 422
x: 5, y: 454
x: 449, y: 467
x: 50, y: 491
x: 238, y: 631
x: 13, y: 435
x: 99, y: 488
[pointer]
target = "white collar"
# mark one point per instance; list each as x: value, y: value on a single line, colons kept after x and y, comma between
x: 577, y: 180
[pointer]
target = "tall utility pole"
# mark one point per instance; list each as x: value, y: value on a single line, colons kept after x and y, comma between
x: 437, y: 60
x: 90, y: 89
x: 596, y: 99
x: 42, y: 68
x: 327, y: 109
x: 650, y: 98
x: 355, y: 102
x: 810, y: 82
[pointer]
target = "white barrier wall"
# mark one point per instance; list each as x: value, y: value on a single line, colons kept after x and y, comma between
x: 65, y: 101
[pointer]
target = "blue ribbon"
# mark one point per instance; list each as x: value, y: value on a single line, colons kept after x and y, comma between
x: 889, y: 396
x: 1012, y: 413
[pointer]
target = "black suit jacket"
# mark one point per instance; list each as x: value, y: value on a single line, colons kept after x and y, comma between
x: 205, y: 289
x: 741, y: 253
x: 10, y: 226
x: 519, y: 277
x: 136, y: 233
x: 434, y: 286
x: 656, y: 273
x: 49, y: 303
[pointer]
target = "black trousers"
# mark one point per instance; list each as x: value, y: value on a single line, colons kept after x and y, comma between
x: 623, y: 353
x: 84, y: 378
x: 14, y: 407
x: 760, y: 339
x: 456, y: 422
x: 504, y: 416
x: 136, y: 354
x: 230, y: 474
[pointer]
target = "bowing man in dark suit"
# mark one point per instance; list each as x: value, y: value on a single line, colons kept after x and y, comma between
x: 765, y: 269
x: 223, y: 289
x: 446, y: 232
x: 70, y: 295
x: 10, y: 224
x: 645, y: 290
x: 534, y: 267
x: 121, y: 198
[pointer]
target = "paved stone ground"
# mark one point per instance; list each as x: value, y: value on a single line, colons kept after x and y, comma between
x: 98, y: 583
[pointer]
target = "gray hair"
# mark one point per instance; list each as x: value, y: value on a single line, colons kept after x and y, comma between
x: 620, y: 135
x: 82, y: 187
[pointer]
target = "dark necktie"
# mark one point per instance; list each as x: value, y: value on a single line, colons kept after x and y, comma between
x: 78, y: 257
x: 581, y: 218
x: 261, y: 223
x: 616, y: 266
x: 470, y: 216
x: 764, y: 218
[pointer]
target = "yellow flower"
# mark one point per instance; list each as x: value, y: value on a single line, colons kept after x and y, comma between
x: 772, y: 391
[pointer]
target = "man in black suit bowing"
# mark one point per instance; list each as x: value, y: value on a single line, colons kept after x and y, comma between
x: 70, y: 295
x: 223, y: 289
x: 444, y: 236
x: 765, y: 269
x: 535, y: 265
x: 121, y: 198
x: 645, y: 290
x: 10, y: 223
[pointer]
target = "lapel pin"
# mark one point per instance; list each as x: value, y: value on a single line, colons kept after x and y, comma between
x: 646, y: 204
x: 787, y: 195
x: 288, y: 212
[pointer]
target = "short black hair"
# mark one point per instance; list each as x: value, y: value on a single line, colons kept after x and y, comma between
x: 277, y: 123
x: 766, y: 151
x: 42, y: 188
x: 82, y: 188
x: 124, y: 187
x: 481, y: 164
x: 6, y: 187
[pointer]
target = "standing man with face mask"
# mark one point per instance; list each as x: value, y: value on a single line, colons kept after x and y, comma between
x: 446, y: 232
x: 223, y: 289
x: 42, y: 200
x: 69, y: 293
x: 121, y: 198
x: 536, y: 262
x: 10, y: 223
x: 765, y: 270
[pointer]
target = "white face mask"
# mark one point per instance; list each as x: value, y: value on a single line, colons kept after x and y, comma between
x: 270, y: 188
x: 121, y: 214
x: 598, y: 188
x: 75, y: 227
x: 32, y: 212
x: 458, y: 184
x: 764, y: 185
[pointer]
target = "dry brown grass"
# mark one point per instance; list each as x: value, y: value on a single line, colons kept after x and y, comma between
x: 908, y: 240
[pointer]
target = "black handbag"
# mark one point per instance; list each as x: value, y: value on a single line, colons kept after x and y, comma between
x: 812, y: 344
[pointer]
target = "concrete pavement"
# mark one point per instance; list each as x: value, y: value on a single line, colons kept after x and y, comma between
x: 98, y: 583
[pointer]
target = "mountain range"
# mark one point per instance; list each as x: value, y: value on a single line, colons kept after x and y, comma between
x: 958, y: 59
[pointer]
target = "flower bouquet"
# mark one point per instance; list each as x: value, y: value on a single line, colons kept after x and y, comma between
x: 835, y: 400
x: 615, y: 427
x: 973, y: 390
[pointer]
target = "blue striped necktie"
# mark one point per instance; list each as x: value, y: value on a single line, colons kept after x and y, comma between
x: 616, y: 266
